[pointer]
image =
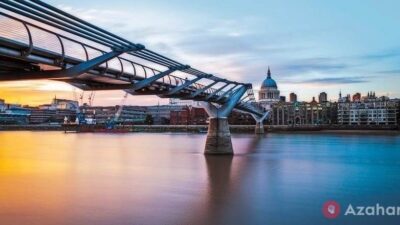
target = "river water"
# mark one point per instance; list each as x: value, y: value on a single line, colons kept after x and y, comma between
x: 163, y: 179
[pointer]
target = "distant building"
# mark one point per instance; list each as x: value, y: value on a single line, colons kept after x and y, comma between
x: 133, y: 114
x: 2, y: 105
x: 323, y: 97
x: 177, y: 101
x: 103, y: 114
x: 303, y: 113
x: 293, y: 97
x: 65, y: 104
x: 188, y: 116
x: 180, y: 117
x: 282, y: 99
x: 161, y: 113
x: 40, y: 115
x: 357, y: 97
x: 10, y: 114
x: 343, y: 99
x: 369, y: 110
x: 269, y: 93
x: 13, y: 113
x: 55, y: 112
x: 240, y: 118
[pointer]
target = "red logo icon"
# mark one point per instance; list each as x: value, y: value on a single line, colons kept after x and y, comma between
x: 331, y: 209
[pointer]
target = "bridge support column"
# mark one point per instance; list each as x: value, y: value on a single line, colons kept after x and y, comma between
x: 259, y: 127
x: 259, y: 122
x: 218, y: 137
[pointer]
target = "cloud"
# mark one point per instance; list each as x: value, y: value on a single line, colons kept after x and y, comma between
x: 36, y: 85
x: 331, y: 80
x: 382, y: 55
x: 319, y: 64
x: 390, y: 72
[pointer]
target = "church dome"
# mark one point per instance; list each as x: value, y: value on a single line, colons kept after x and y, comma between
x: 269, y: 82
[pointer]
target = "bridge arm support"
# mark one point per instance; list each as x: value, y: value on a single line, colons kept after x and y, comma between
x: 185, y: 85
x: 146, y: 82
x: 69, y: 73
x: 198, y: 92
x: 218, y: 140
x: 88, y: 65
x: 216, y: 91
x: 230, y: 91
x: 259, y: 122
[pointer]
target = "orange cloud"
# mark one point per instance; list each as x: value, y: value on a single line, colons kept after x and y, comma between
x: 34, y: 92
x: 39, y: 92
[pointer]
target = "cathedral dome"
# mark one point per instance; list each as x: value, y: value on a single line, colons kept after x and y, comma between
x: 269, y: 82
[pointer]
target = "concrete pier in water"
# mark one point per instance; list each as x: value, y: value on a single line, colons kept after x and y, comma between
x: 218, y: 137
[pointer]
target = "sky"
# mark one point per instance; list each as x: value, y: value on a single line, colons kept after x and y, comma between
x: 311, y: 46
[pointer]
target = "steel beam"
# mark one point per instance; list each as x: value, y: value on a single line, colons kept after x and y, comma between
x: 146, y: 82
x: 229, y: 91
x: 185, y: 85
x: 69, y: 73
x: 249, y: 108
x: 227, y: 108
x: 91, y: 64
x: 98, y: 86
x: 196, y: 93
x: 216, y: 91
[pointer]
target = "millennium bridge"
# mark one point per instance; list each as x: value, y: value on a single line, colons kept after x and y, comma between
x: 40, y: 41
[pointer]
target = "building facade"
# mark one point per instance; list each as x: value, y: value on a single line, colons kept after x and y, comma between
x: 368, y: 110
x: 188, y: 116
x: 104, y: 114
x: 13, y: 114
x: 322, y: 97
x: 57, y: 111
x: 303, y: 113
x: 292, y: 97
x: 58, y: 103
x: 161, y: 113
x: 2, y: 105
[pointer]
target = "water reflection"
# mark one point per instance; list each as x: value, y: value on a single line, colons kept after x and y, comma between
x: 53, y: 178
x: 219, y: 188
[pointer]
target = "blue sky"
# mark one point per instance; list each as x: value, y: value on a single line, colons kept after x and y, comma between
x: 311, y: 46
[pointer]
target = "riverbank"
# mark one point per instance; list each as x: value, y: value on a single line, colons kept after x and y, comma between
x: 233, y: 128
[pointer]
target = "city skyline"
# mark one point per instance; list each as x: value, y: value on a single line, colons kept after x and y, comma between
x: 86, y: 98
x: 319, y: 47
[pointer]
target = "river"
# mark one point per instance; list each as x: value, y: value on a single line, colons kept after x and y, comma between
x: 164, y: 178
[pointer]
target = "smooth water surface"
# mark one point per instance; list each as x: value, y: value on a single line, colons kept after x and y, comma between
x: 163, y: 179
